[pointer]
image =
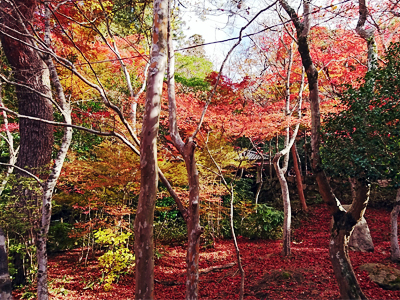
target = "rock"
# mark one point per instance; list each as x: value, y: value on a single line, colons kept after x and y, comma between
x: 386, y: 277
x: 360, y: 239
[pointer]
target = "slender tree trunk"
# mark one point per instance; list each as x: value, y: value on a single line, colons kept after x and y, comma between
x: 144, y: 250
x: 5, y: 281
x: 55, y: 171
x: 193, y: 223
x: 298, y: 179
x: 286, y: 251
x: 394, y: 239
x: 187, y: 150
x: 270, y: 158
x: 239, y: 259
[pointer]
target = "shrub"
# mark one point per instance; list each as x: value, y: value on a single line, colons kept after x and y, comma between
x: 118, y: 260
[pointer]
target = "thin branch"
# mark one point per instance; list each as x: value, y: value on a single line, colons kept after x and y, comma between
x: 222, y: 67
x: 25, y: 171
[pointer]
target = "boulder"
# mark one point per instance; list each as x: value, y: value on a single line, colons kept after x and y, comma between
x: 360, y: 239
x: 386, y: 277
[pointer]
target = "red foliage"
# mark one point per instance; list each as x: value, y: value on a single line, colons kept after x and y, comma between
x: 309, y: 271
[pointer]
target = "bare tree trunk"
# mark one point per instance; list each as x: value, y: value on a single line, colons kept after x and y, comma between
x: 41, y: 240
x: 36, y: 138
x: 394, y: 239
x: 187, y: 150
x: 5, y: 281
x: 286, y: 251
x: 193, y: 222
x: 144, y: 250
x: 287, y: 219
x: 342, y: 228
x: 298, y: 179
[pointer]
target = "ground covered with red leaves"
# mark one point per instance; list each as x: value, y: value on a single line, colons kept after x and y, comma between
x: 307, y: 274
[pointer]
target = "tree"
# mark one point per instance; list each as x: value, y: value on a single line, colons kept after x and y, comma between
x: 364, y: 136
x: 17, y: 19
x: 343, y: 222
x: 144, y: 249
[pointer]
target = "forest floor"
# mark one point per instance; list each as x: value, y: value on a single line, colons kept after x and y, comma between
x: 307, y: 274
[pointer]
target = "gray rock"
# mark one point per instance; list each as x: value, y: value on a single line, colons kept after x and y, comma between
x: 360, y: 239
x: 386, y: 277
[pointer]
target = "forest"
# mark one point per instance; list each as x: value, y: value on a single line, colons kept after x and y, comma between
x: 137, y: 164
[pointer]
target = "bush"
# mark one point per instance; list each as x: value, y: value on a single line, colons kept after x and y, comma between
x: 255, y: 222
x: 59, y: 239
x: 118, y: 260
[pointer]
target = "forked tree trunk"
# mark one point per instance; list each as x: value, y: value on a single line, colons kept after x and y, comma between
x: 343, y: 222
x: 144, y: 248
x: 187, y: 150
x: 342, y: 227
x: 394, y: 239
x: 5, y: 281
x: 286, y: 251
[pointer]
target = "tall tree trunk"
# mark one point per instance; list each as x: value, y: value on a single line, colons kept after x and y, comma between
x: 187, y: 150
x: 298, y: 179
x: 5, y: 281
x: 193, y: 222
x: 36, y: 138
x: 144, y: 250
x: 343, y: 222
x: 394, y: 239
x: 55, y: 171
x: 30, y: 69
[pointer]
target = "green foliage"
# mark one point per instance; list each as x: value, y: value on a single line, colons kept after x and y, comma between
x: 169, y: 226
x: 18, y: 222
x: 363, y: 140
x: 118, y: 259
x: 191, y: 71
x: 255, y: 222
x: 59, y: 237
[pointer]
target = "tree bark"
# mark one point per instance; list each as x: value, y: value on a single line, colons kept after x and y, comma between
x: 394, y: 239
x: 187, y: 150
x: 144, y: 248
x: 55, y: 171
x: 298, y: 179
x: 5, y: 281
x: 342, y: 227
x: 367, y: 34
x: 30, y: 69
x: 193, y: 222
x: 36, y: 138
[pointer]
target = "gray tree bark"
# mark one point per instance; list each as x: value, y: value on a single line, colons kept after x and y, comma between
x: 5, y: 281
x: 394, y: 238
